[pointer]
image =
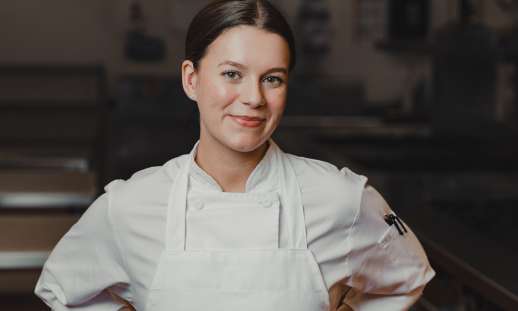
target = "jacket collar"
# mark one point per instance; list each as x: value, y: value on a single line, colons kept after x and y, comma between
x: 262, y: 178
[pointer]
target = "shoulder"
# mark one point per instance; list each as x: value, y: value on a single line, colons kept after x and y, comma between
x: 144, y: 186
x: 325, y: 176
x: 148, y: 175
x: 327, y: 190
x: 373, y: 200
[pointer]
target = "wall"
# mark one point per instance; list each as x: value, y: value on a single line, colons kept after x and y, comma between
x: 35, y: 31
x: 54, y: 31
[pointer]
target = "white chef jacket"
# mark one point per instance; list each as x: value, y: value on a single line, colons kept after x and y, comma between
x: 117, y: 242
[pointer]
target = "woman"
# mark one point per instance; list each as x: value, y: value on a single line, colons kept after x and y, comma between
x: 237, y: 224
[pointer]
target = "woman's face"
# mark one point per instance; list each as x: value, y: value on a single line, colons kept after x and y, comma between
x: 240, y: 87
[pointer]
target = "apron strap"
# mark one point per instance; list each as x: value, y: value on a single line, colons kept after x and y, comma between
x: 291, y: 200
x: 177, y: 206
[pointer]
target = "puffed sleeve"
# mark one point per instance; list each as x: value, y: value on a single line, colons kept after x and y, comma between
x: 85, y: 263
x: 388, y: 270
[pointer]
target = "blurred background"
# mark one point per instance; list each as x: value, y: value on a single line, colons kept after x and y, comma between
x: 418, y: 95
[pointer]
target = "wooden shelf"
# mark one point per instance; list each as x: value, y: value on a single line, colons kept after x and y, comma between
x: 32, y: 189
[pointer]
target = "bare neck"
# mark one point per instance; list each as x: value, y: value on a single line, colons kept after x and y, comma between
x: 228, y: 167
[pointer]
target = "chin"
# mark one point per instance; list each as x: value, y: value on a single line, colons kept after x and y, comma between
x: 246, y: 144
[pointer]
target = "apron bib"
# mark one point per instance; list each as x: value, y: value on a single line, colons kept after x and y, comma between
x: 229, y: 258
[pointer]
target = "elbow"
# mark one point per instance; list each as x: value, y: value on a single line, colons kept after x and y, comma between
x: 397, y: 278
x: 419, y: 276
x: 49, y: 292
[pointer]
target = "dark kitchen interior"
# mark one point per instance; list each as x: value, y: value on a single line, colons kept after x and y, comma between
x: 421, y: 96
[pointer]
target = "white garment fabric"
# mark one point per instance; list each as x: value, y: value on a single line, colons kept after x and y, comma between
x: 233, y: 256
x: 118, y: 242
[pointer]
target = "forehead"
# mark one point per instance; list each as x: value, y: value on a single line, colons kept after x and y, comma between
x: 250, y: 46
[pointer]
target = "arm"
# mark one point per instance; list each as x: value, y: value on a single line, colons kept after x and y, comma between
x: 337, y: 294
x: 85, y: 263
x: 126, y: 305
x: 388, y: 271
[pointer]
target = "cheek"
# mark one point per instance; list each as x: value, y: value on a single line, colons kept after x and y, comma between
x: 276, y: 102
x: 218, y: 94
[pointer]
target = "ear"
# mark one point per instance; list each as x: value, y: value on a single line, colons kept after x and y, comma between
x: 189, y: 79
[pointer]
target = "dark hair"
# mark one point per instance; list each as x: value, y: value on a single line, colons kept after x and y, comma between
x: 221, y: 15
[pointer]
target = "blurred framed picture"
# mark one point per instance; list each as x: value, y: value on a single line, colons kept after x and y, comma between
x: 371, y: 20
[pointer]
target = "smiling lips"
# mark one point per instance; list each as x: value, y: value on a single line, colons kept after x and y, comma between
x: 247, y: 121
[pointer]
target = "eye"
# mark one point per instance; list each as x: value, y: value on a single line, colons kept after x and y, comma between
x: 231, y: 74
x: 273, y: 80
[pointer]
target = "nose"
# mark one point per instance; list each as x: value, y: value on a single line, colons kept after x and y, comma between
x: 252, y: 94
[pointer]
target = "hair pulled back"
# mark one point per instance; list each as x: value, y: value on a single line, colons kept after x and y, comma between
x: 220, y: 15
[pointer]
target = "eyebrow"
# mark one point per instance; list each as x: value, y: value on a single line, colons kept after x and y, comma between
x: 238, y: 65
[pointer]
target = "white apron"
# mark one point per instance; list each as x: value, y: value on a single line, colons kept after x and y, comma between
x: 229, y: 258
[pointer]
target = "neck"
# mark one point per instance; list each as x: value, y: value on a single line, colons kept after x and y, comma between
x: 229, y: 168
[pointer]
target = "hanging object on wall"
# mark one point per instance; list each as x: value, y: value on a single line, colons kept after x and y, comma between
x: 408, y: 19
x: 371, y: 20
x: 313, y: 27
x: 140, y: 46
x: 313, y: 21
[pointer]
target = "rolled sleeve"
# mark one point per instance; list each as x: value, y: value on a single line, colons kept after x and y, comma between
x: 84, y: 264
x: 388, y: 270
